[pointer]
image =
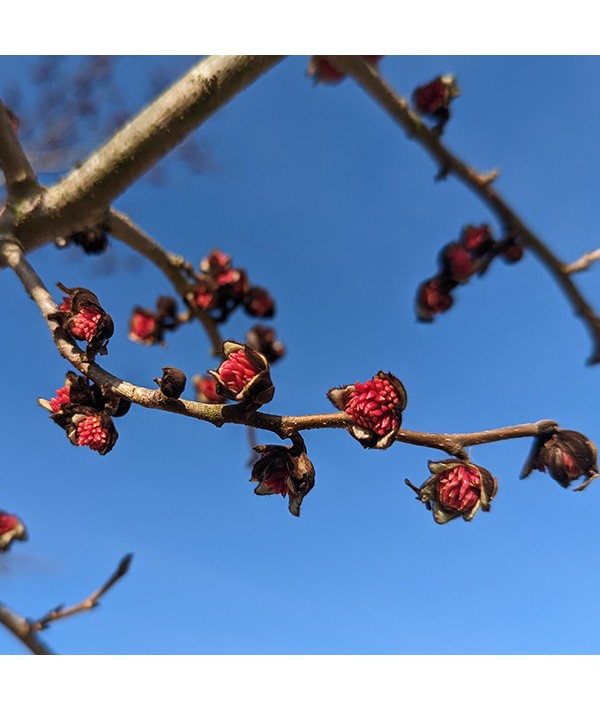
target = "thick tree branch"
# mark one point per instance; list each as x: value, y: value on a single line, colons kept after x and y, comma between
x: 83, y: 197
x: 172, y: 266
x: 21, y: 181
x: 369, y: 79
x: 21, y: 629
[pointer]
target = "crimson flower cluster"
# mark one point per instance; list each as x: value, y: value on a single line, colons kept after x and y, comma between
x: 323, y: 72
x: 433, y: 99
x: 243, y: 376
x: 220, y: 288
x: 459, y: 262
x: 82, y: 317
x: 456, y: 488
x: 11, y: 529
x: 85, y: 411
x: 148, y: 327
x: 375, y: 408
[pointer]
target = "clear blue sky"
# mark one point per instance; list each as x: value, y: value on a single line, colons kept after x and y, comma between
x: 325, y: 202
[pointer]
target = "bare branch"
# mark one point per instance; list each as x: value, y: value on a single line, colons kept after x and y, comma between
x: 370, y: 80
x: 59, y: 613
x: 84, y: 196
x: 22, y: 630
x: 172, y: 265
x: 583, y: 262
x: 21, y: 181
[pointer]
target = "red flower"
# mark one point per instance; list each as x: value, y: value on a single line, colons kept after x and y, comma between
x: 324, y: 72
x: 433, y: 297
x: 206, y: 390
x: 243, y: 375
x: 456, y: 488
x: 11, y: 529
x: 143, y: 327
x: 284, y: 470
x: 81, y: 315
x: 375, y: 408
x: 434, y: 98
x: 258, y: 302
x: 478, y: 239
x: 460, y: 262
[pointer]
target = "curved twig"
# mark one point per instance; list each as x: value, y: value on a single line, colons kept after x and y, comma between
x: 369, y: 79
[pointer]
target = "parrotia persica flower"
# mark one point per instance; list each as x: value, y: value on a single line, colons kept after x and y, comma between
x: 375, y: 408
x: 85, y: 412
x: 434, y: 99
x: 11, y: 529
x: 566, y: 455
x: 456, y: 488
x: 433, y: 297
x: 172, y: 383
x: 323, y: 72
x: 477, y: 238
x: 244, y: 375
x: 206, y: 390
x: 84, y: 319
x: 284, y: 470
x: 264, y: 340
x: 148, y: 327
x: 258, y: 302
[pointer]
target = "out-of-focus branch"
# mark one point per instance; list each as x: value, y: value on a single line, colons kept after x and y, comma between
x: 172, y: 266
x: 21, y: 629
x: 582, y: 263
x: 21, y: 181
x: 84, y: 197
x: 60, y: 612
x: 218, y: 415
x: 369, y: 79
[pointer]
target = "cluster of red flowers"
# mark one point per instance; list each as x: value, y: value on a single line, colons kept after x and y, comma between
x: 459, y: 261
x: 220, y: 288
x: 433, y: 99
x: 148, y: 327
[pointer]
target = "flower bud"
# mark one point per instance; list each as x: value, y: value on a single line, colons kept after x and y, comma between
x: 11, y: 529
x: 87, y: 427
x: 478, y: 239
x: 511, y: 251
x: 172, y: 383
x: 206, y: 390
x: 92, y: 241
x: 434, y: 99
x: 459, y: 262
x: 284, y: 470
x: 84, y: 319
x: 76, y: 390
x: 244, y: 375
x: 323, y: 72
x: 566, y: 455
x: 375, y: 408
x: 433, y: 297
x: 144, y: 327
x: 258, y: 302
x: 215, y: 262
x: 456, y: 488
x: 263, y: 339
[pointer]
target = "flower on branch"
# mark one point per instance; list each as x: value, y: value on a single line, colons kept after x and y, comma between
x: 323, y: 72
x: 244, y: 375
x: 284, y: 470
x: 84, y: 319
x: 258, y: 302
x: 511, y: 251
x: 148, y: 327
x: 566, y: 455
x: 172, y: 383
x: 456, y: 488
x: 433, y: 297
x: 263, y: 339
x: 11, y: 529
x: 434, y: 99
x: 375, y: 408
x: 206, y: 390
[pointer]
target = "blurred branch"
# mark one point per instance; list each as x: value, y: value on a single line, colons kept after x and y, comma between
x: 172, y: 266
x: 583, y: 262
x: 26, y: 630
x: 21, y: 181
x: 369, y: 79
x: 84, y: 196
x: 59, y: 613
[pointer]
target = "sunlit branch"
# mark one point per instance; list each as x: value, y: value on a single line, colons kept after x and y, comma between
x: 172, y: 265
x: 582, y: 263
x: 21, y: 181
x: 369, y: 79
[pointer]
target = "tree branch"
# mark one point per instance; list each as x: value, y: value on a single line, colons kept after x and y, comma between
x: 21, y: 181
x: 172, y: 266
x: 582, y: 263
x: 83, y: 197
x: 22, y: 630
x: 369, y: 79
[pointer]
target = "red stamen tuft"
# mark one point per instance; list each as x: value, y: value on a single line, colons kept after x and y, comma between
x: 237, y: 371
x: 85, y: 323
x: 372, y: 406
x: 63, y: 397
x: 459, y: 489
x: 90, y: 433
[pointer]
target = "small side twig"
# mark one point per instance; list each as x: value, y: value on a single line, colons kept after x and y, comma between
x: 582, y: 263
x: 60, y: 612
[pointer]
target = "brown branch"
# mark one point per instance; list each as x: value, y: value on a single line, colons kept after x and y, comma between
x: 369, y: 79
x: 582, y: 263
x: 21, y: 181
x: 172, y: 265
x: 83, y: 197
x: 21, y: 629
x: 218, y: 415
x: 60, y: 612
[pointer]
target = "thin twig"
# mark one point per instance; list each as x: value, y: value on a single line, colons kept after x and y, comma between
x: 172, y: 266
x: 21, y: 181
x: 60, y: 612
x: 582, y: 263
x: 369, y: 79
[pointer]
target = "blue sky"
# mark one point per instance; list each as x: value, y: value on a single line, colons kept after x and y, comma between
x: 325, y: 202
